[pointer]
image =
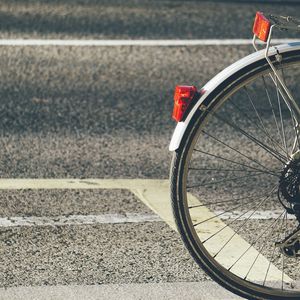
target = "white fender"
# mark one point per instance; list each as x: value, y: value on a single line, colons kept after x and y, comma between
x: 218, y: 79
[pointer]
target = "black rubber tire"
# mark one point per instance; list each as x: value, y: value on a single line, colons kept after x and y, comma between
x: 179, y: 161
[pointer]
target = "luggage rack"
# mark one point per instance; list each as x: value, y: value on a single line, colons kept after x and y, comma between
x: 284, y: 22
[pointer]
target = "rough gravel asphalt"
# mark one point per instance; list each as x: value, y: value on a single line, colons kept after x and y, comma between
x: 101, y: 112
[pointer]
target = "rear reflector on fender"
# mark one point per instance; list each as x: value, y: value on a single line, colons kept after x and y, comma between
x: 261, y: 26
x: 183, y: 97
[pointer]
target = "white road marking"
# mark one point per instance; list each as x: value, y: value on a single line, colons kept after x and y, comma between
x: 119, y: 218
x: 105, y: 43
x: 236, y: 248
x: 147, y: 291
x: 21, y: 184
x: 155, y: 194
x: 257, y: 215
x: 78, y: 220
x: 157, y: 198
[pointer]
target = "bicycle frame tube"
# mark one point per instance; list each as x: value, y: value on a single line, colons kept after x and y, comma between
x: 228, y: 72
x: 290, y: 101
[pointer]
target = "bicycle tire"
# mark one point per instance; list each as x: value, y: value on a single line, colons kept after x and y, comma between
x: 179, y: 173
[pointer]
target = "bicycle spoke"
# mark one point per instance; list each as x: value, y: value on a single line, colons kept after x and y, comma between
x: 227, y: 225
x: 215, y: 216
x: 250, y: 137
x: 272, y: 108
x: 224, y: 201
x: 223, y: 180
x: 260, y: 249
x: 258, y: 127
x: 235, y: 150
x: 253, y: 243
x: 260, y: 120
x: 234, y: 162
x: 269, y: 265
x: 244, y: 223
x: 229, y: 210
x: 271, y: 151
x: 224, y: 170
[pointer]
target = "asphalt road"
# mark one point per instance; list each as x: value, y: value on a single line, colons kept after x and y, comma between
x: 134, y: 19
x: 101, y: 112
x: 96, y: 112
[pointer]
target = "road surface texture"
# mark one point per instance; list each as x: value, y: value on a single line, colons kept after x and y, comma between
x: 102, y: 112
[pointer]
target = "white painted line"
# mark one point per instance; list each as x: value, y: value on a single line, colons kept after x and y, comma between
x: 89, y: 183
x: 257, y: 215
x: 157, y: 198
x: 105, y: 43
x: 78, y: 220
x: 116, y: 218
x: 147, y: 291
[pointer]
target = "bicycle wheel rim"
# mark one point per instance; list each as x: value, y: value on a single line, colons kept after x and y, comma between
x: 180, y: 202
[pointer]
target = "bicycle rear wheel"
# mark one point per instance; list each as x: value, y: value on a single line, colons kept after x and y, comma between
x: 233, y: 178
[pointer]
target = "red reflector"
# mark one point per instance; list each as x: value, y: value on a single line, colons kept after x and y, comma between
x: 261, y: 26
x: 183, y: 96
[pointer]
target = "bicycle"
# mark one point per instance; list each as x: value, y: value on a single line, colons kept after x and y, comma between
x: 235, y: 172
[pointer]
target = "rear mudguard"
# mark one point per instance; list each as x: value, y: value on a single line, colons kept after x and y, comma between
x: 218, y: 79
